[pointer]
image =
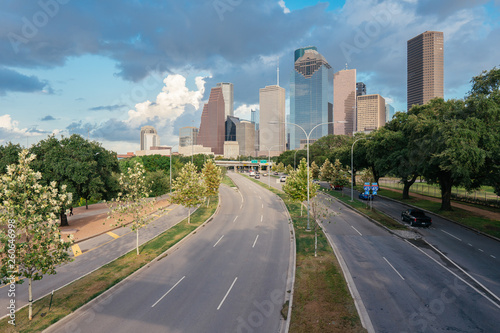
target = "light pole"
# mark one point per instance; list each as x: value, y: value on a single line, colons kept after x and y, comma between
x: 352, y: 167
x: 170, y: 167
x: 308, y: 185
x: 269, y: 162
x: 294, y: 156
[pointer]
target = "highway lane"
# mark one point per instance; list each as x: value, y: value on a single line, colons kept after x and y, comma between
x: 229, y: 277
x: 476, y: 254
x: 97, y: 252
x: 403, y: 289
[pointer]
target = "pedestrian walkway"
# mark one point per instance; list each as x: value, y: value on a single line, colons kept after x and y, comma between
x: 87, y: 223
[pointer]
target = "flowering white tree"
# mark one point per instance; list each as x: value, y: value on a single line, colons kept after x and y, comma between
x: 132, y: 201
x: 212, y: 177
x: 30, y: 240
x: 188, y: 188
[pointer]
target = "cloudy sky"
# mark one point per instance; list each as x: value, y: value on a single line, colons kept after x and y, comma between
x: 103, y: 69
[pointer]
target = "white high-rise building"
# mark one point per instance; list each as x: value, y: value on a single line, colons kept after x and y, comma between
x: 228, y: 94
x: 272, y: 120
x: 149, y: 138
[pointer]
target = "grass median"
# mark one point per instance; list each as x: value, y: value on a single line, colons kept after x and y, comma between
x: 322, y: 302
x: 80, y: 292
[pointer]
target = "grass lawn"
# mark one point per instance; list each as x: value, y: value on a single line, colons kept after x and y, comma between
x: 322, y: 302
x: 228, y: 181
x: 465, y: 217
x: 89, y: 287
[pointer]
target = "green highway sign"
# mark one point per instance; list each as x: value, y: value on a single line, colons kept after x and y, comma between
x: 263, y: 161
x: 255, y: 161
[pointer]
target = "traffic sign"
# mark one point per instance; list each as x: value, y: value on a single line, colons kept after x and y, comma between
x: 255, y: 161
x: 263, y: 161
x: 374, y: 188
x: 367, y: 188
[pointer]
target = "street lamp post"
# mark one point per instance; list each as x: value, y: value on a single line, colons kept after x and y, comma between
x: 170, y: 167
x: 352, y: 168
x: 269, y: 162
x: 308, y: 185
x: 294, y: 163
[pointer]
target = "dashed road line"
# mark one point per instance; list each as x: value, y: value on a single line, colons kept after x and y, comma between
x: 255, y: 241
x: 235, y: 219
x: 112, y: 234
x: 76, y: 250
x: 356, y: 230
x: 227, y: 293
x: 168, y: 291
x: 218, y: 240
x: 481, y: 250
x: 395, y: 270
x: 451, y: 235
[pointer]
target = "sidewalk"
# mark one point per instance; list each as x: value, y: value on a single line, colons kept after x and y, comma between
x: 86, y: 223
x: 482, y: 212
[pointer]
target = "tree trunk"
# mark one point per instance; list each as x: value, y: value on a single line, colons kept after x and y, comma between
x: 64, y: 219
x: 208, y: 201
x: 445, y: 184
x: 137, y: 240
x: 86, y: 204
x: 407, y: 185
x: 301, y: 206
x: 189, y: 215
x: 30, y: 298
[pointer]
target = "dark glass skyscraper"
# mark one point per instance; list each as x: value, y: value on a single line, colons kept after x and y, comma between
x: 311, y: 96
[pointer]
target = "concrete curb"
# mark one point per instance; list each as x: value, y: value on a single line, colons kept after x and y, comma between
x: 444, y: 218
x: 94, y: 302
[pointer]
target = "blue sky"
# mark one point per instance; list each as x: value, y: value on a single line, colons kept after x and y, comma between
x: 103, y: 69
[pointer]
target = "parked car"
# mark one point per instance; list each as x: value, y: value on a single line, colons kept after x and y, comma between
x: 364, y: 196
x: 275, y: 173
x: 338, y: 187
x: 257, y: 176
x: 283, y: 179
x: 416, y: 217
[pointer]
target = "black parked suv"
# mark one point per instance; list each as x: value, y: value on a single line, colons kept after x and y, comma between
x: 416, y: 217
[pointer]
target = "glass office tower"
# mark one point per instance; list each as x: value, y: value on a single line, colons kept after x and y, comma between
x: 311, y: 96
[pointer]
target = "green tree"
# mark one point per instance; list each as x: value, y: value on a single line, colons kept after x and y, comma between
x: 9, y: 154
x: 280, y: 167
x: 133, y: 201
x: 314, y: 170
x: 31, y: 243
x: 212, y: 177
x: 158, y: 183
x: 326, y: 171
x: 340, y: 176
x: 296, y: 184
x: 188, y: 187
x: 288, y: 169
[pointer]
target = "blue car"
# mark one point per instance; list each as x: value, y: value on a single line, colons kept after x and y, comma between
x: 364, y: 196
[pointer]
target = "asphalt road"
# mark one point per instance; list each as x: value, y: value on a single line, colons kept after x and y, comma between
x: 229, y: 277
x: 407, y: 286
x: 97, y: 252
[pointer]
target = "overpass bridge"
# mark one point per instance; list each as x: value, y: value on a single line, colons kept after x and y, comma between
x: 256, y: 165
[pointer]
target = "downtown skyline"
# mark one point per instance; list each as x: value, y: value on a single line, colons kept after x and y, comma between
x: 147, y: 64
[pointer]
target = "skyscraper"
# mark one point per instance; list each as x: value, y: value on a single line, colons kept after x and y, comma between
x: 360, y: 89
x: 188, y: 136
x: 245, y: 135
x: 389, y: 112
x: 371, y: 112
x: 344, y: 101
x: 272, y: 116
x: 311, y: 96
x: 425, y: 68
x: 149, y: 138
x: 228, y: 93
x: 212, y: 127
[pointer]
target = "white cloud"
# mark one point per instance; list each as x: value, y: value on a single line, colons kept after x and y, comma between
x: 283, y: 5
x: 244, y: 111
x: 10, y: 127
x: 170, y: 104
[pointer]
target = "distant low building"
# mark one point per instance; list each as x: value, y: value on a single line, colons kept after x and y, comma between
x: 124, y: 156
x: 194, y: 150
x: 231, y: 149
x: 155, y: 150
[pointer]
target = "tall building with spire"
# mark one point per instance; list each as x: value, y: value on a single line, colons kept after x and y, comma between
x: 311, y: 96
x: 228, y: 94
x: 425, y: 68
x: 213, y: 126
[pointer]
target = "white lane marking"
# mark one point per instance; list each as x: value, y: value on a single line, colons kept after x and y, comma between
x: 451, y: 235
x: 446, y: 268
x: 227, y: 293
x: 241, y: 206
x: 480, y: 250
x: 260, y: 197
x: 262, y: 205
x: 261, y: 218
x: 493, y: 256
x: 255, y: 241
x: 218, y: 240
x: 235, y: 219
x: 469, y: 244
x: 169, y: 291
x: 356, y: 230
x: 395, y: 270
